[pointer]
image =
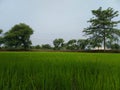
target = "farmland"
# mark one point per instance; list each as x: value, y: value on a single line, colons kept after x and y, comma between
x: 59, y: 71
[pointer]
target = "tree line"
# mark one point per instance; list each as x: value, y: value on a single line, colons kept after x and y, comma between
x: 102, y: 32
x: 74, y: 44
x: 60, y: 44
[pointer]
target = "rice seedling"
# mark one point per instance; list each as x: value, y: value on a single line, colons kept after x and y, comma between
x: 59, y: 71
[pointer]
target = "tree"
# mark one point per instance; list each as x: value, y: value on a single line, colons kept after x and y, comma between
x: 115, y: 46
x: 92, y: 43
x: 102, y: 28
x: 58, y: 43
x: 82, y: 44
x: 18, y: 36
x: 1, y: 38
x: 1, y: 31
x: 37, y: 47
x: 46, y: 46
x: 72, y: 44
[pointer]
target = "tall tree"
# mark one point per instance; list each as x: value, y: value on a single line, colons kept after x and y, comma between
x: 18, y: 36
x: 102, y: 28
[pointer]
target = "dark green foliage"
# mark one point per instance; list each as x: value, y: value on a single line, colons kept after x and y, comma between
x: 72, y: 44
x: 1, y: 38
x: 37, y: 47
x: 18, y: 36
x: 46, y: 46
x: 82, y: 44
x: 1, y: 31
x: 58, y: 43
x: 115, y: 46
x: 102, y: 28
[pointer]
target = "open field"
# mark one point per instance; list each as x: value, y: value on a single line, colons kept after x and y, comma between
x: 59, y: 71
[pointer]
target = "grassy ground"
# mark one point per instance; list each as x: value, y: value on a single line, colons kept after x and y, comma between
x: 59, y: 71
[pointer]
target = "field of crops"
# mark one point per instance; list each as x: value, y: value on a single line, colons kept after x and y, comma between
x: 59, y: 71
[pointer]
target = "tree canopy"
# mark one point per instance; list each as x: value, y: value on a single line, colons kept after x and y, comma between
x: 58, y: 43
x: 18, y: 36
x: 72, y: 44
x: 103, y: 27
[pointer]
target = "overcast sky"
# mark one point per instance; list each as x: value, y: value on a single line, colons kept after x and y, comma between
x: 51, y: 19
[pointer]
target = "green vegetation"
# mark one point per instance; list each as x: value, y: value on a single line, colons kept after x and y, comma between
x: 58, y: 43
x: 18, y: 37
x: 1, y: 38
x: 102, y: 29
x: 59, y: 71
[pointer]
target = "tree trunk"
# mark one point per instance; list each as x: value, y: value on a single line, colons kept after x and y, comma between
x: 104, y: 39
x: 104, y: 44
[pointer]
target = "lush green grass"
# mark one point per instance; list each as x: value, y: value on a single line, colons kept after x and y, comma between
x: 59, y: 71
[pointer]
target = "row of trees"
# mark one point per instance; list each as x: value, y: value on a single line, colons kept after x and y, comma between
x: 102, y: 32
x: 70, y: 45
x: 73, y: 44
x: 60, y: 44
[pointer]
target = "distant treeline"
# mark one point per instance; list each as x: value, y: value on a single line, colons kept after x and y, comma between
x: 102, y: 34
x: 74, y: 45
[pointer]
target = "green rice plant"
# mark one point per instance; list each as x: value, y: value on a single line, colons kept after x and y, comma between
x: 59, y: 71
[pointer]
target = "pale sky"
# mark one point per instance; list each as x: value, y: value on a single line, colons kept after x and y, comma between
x: 52, y: 19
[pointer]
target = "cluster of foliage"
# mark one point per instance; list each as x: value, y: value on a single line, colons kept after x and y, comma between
x: 102, y: 29
x: 1, y: 38
x: 17, y: 37
x: 73, y: 44
x: 70, y: 45
x: 43, y: 46
x: 60, y: 44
